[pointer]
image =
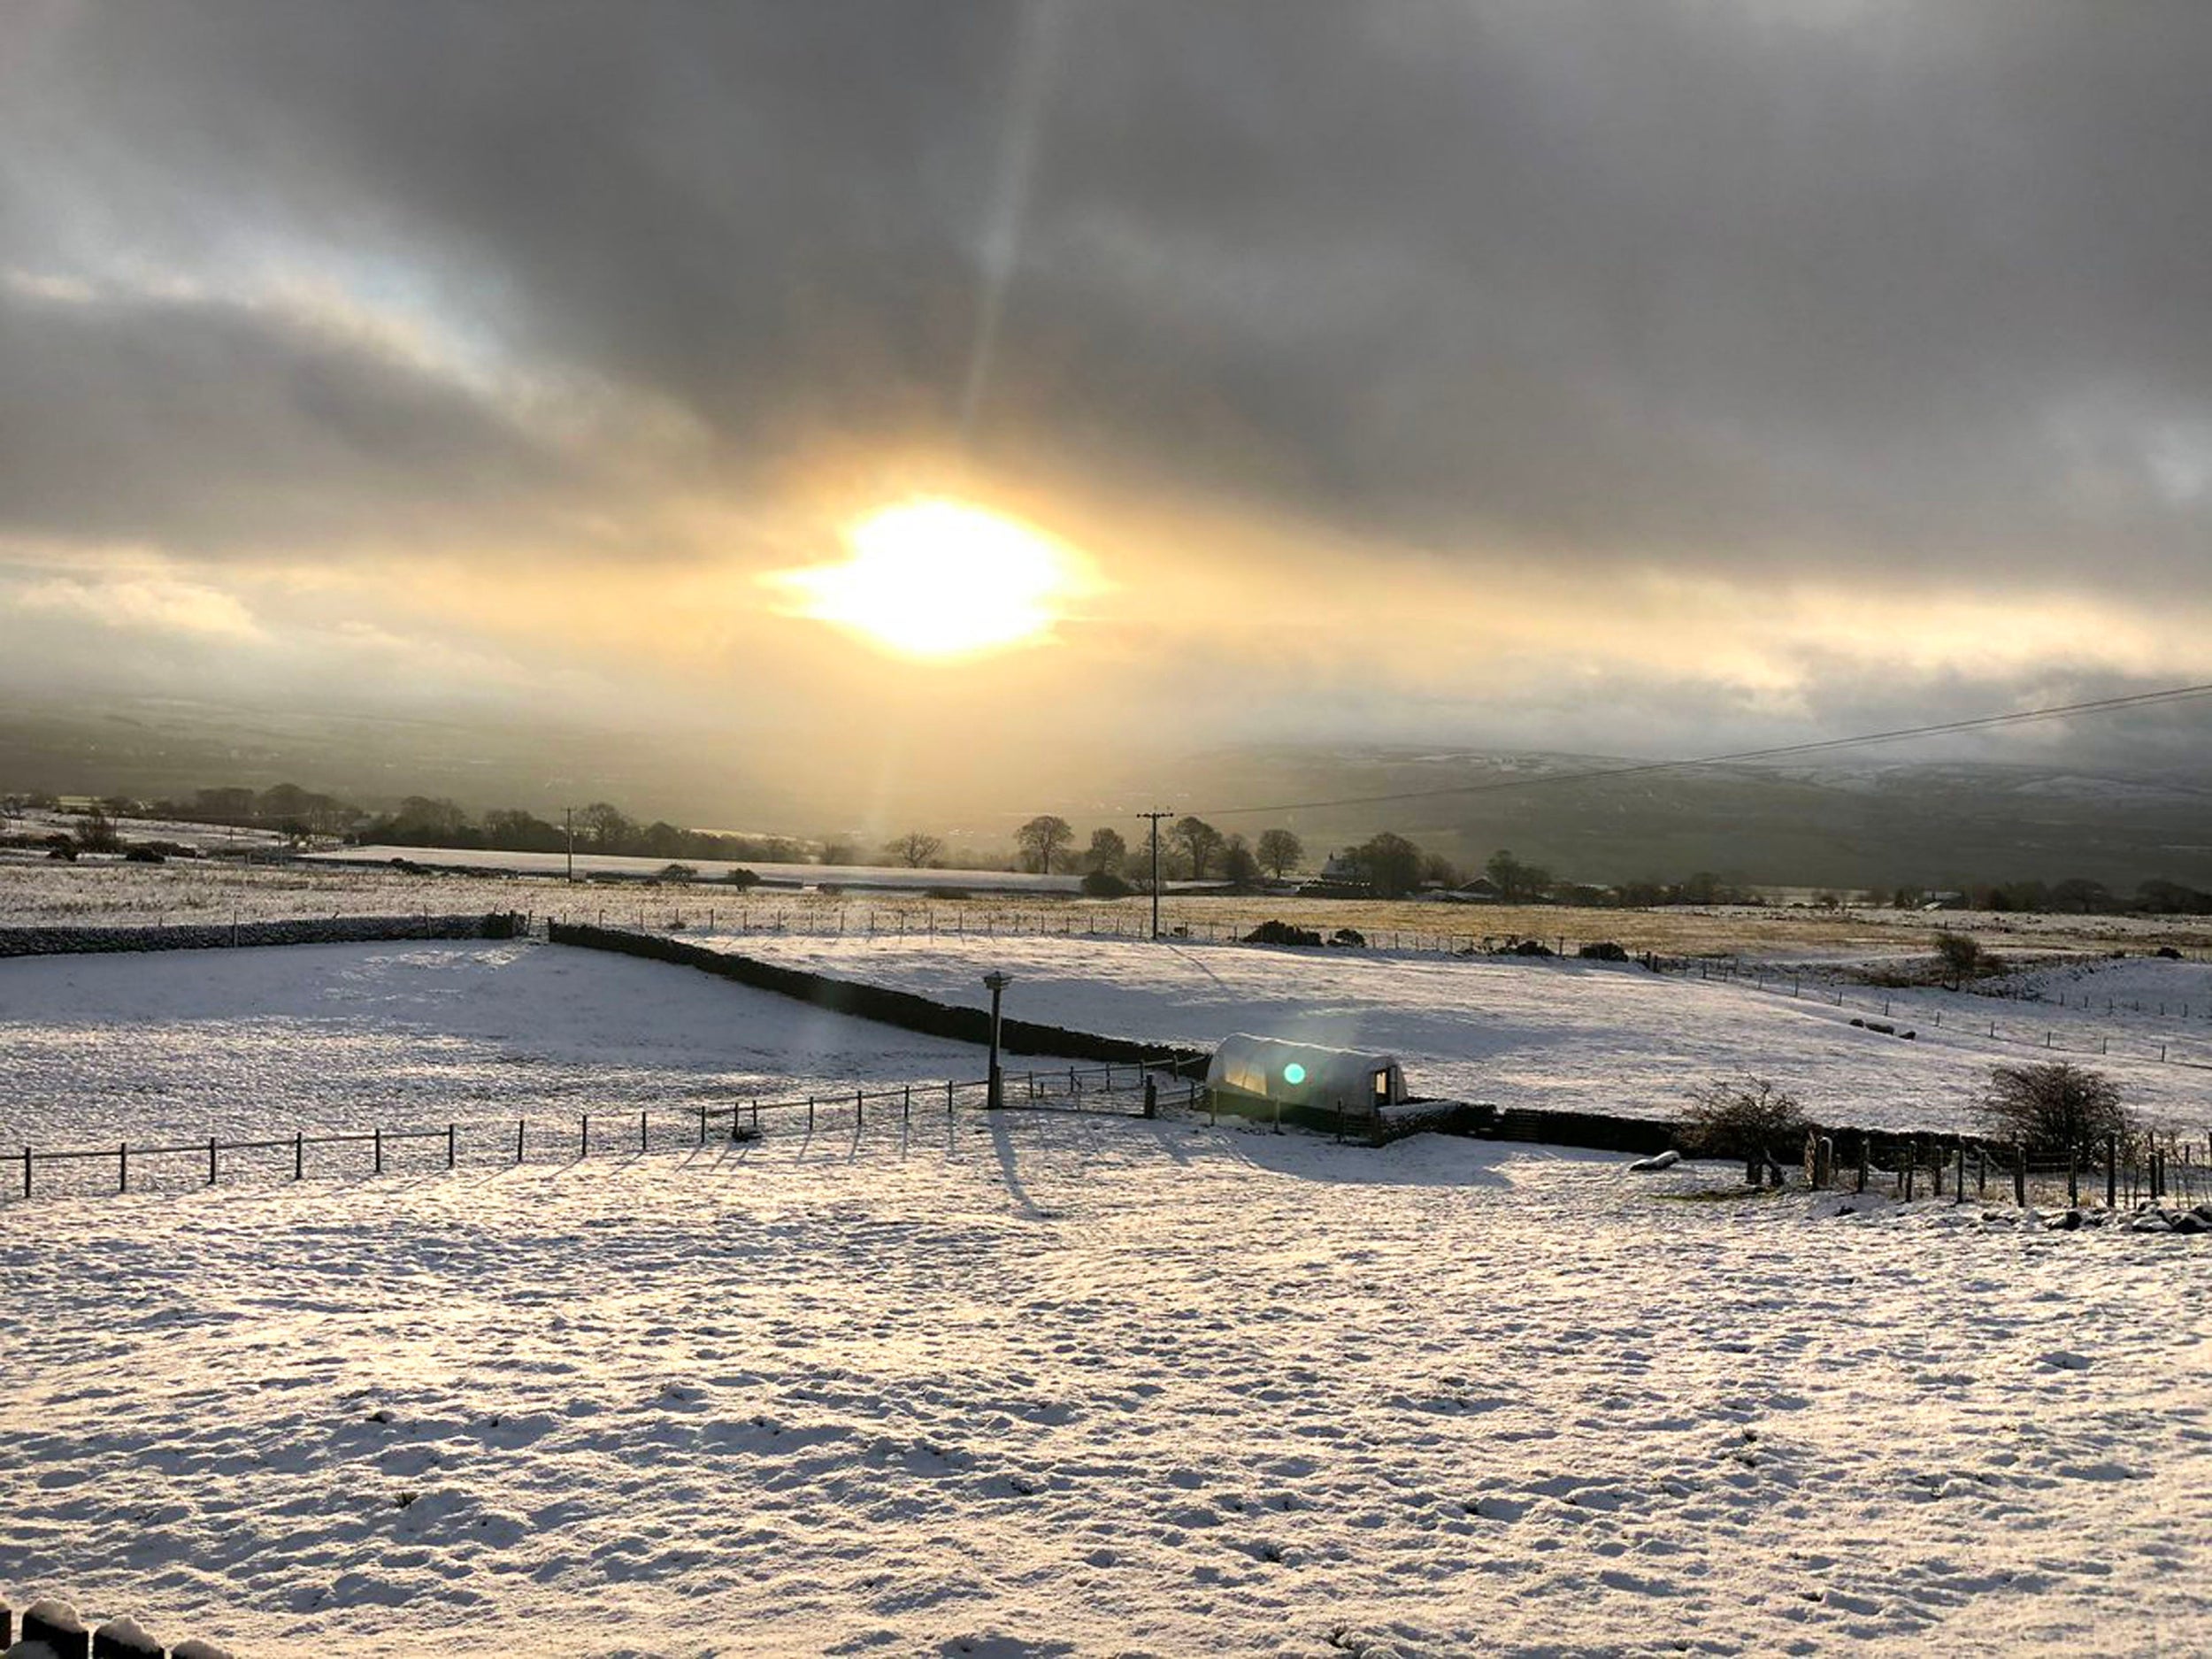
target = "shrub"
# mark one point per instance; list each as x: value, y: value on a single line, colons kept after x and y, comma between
x: 2166, y: 953
x: 98, y: 833
x: 1964, y: 956
x: 1744, y: 1118
x: 1351, y: 938
x: 677, y: 872
x: 1104, y: 884
x: 740, y: 877
x: 1603, y: 950
x: 2055, y: 1107
x: 1281, y: 933
x: 1525, y: 947
x: 144, y: 856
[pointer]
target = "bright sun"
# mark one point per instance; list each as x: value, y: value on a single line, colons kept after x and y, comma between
x: 939, y: 579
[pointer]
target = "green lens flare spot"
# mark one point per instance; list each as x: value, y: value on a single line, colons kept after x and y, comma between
x: 1293, y: 1072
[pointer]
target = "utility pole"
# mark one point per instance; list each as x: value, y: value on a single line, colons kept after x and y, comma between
x: 995, y: 1089
x: 1155, y: 819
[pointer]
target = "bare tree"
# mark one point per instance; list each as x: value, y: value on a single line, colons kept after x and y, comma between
x: 1280, y: 852
x: 1391, y: 864
x: 2055, y: 1107
x: 1964, y: 955
x: 1041, y: 838
x: 98, y: 834
x: 1107, y: 852
x: 605, y: 826
x: 1237, y: 863
x: 914, y: 850
x: 1201, y: 841
x: 1744, y: 1118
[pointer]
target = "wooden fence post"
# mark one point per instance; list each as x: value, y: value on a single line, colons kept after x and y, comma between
x: 123, y: 1167
x: 583, y: 1140
x: 2020, y: 1174
x: 1864, y: 1141
x: 299, y: 1154
x: 376, y: 1141
x: 2073, y: 1176
x: 1958, y: 1177
x: 448, y: 1146
x: 2111, y: 1171
x: 517, y: 1140
x: 640, y: 1130
x: 210, y: 1160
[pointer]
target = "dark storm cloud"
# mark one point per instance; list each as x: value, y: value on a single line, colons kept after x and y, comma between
x: 1801, y: 289
x: 207, y: 425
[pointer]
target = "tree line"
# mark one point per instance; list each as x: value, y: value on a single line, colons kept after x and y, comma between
x: 1385, y: 865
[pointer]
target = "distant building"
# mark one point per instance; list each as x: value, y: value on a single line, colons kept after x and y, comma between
x: 1481, y: 890
x: 1341, y: 878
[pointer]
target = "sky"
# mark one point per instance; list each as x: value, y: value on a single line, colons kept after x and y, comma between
x: 1628, y: 379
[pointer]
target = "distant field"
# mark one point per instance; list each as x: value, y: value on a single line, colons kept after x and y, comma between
x: 1582, y: 1036
x: 34, y: 891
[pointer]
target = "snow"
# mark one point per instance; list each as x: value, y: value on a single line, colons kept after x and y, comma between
x: 208, y: 838
x: 51, y: 1611
x: 1556, y: 1034
x: 1041, y: 1383
x: 1027, y: 1382
x: 176, y: 1046
x: 885, y: 876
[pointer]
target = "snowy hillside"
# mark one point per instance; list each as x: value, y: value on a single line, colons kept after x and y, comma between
x: 1581, y: 1036
x: 181, y: 1045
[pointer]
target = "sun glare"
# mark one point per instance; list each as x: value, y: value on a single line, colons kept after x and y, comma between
x: 939, y: 579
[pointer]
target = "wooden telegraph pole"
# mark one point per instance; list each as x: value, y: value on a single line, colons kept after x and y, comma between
x: 1154, y: 819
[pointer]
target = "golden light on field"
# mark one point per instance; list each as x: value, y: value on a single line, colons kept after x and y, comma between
x: 938, y: 578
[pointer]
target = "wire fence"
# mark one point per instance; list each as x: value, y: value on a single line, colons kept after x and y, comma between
x: 2124, y: 1172
x: 1126, y: 1089
x: 1796, y: 985
x: 970, y: 922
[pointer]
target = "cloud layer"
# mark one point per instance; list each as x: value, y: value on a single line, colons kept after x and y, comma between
x: 1798, y: 358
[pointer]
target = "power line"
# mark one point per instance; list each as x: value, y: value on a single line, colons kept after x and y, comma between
x: 2100, y: 705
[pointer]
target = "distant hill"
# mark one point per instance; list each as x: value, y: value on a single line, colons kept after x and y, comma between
x: 1849, y: 822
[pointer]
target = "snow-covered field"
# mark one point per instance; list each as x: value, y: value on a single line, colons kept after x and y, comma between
x: 886, y: 876
x: 1049, y: 1384
x: 179, y: 1045
x: 1570, y: 1035
x: 1038, y: 1384
x: 211, y: 837
x: 104, y: 891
